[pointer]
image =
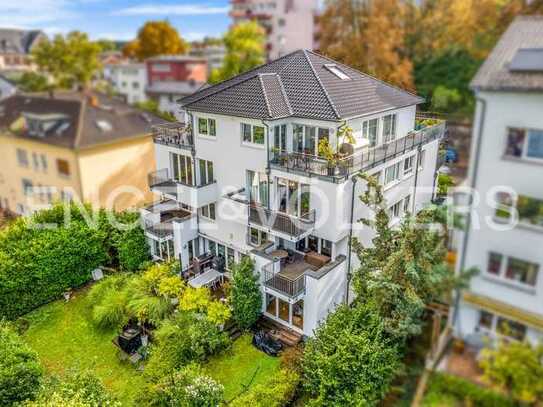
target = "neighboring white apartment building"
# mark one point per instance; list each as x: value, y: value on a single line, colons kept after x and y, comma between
x: 506, y: 298
x: 245, y: 178
x: 289, y: 24
x: 128, y: 79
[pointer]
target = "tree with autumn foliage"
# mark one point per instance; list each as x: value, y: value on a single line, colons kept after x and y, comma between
x: 369, y: 36
x: 245, y: 49
x: 156, y: 38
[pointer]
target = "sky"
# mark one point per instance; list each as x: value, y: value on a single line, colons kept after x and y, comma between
x: 116, y: 19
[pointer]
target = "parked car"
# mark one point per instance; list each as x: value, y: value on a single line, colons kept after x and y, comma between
x: 268, y: 345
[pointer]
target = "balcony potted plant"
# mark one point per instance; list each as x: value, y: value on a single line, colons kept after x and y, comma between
x: 335, y: 157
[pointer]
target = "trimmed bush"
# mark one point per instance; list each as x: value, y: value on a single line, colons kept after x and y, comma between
x: 20, y: 370
x: 447, y: 386
x: 245, y: 297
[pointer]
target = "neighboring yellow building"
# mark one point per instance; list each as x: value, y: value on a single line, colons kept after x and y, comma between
x: 74, y: 146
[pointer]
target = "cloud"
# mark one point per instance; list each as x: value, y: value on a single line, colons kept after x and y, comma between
x: 28, y: 13
x: 178, y: 10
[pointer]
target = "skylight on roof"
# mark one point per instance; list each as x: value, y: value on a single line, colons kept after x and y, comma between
x: 527, y: 60
x: 338, y: 72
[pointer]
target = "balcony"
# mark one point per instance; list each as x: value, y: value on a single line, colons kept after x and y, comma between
x: 360, y: 161
x: 287, y: 284
x: 173, y: 135
x: 194, y: 195
x: 159, y: 218
x: 291, y: 227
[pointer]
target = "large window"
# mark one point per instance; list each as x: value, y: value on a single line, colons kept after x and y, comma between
x: 294, y: 198
x: 530, y: 210
x: 493, y: 324
x: 392, y: 173
x: 182, y: 168
x: 306, y: 139
x: 257, y: 185
x: 280, y: 137
x: 208, y: 211
x: 369, y: 131
x: 252, y: 134
x: 206, y: 172
x: 389, y: 128
x: 525, y: 143
x: 512, y: 269
x: 207, y: 127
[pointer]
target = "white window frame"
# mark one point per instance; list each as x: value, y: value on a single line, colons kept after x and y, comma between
x: 493, y: 330
x: 501, y: 276
x: 208, y: 127
x: 252, y: 134
x: 411, y: 160
x: 526, y: 142
x: 366, y: 131
x: 396, y: 171
x: 394, y: 124
x: 205, y: 212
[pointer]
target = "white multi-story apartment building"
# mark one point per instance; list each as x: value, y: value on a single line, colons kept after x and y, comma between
x: 245, y: 178
x: 128, y: 79
x: 289, y: 24
x: 505, y: 234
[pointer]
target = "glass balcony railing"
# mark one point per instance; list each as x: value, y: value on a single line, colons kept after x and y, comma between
x: 173, y: 134
x: 280, y: 222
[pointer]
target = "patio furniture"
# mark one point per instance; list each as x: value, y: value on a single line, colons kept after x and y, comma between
x: 316, y: 259
x: 207, y: 279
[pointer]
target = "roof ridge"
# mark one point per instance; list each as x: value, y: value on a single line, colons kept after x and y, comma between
x: 321, y: 85
x: 252, y: 70
x: 265, y: 95
x: 365, y: 74
x: 285, y: 96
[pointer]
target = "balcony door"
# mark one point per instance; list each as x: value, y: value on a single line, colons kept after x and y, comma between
x: 306, y: 139
x: 293, y: 197
x: 257, y: 187
x: 280, y: 137
x: 182, y: 166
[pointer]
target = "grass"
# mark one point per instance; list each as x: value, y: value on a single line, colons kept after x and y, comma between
x: 239, y: 365
x: 64, y: 338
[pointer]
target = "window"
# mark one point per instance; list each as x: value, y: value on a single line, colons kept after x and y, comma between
x: 207, y: 127
x: 206, y: 172
x: 135, y: 85
x: 257, y: 237
x: 530, y: 210
x: 252, y: 134
x: 513, y: 269
x: 63, y: 167
x: 22, y: 157
x: 43, y: 160
x: 408, y: 165
x: 392, y: 173
x: 406, y: 204
x: 525, y: 143
x: 280, y: 137
x: 306, y: 139
x: 27, y: 187
x: 338, y: 72
x: 389, y: 128
x: 493, y: 324
x: 486, y: 320
x: 230, y: 258
x: 394, y: 210
x: 257, y: 185
x: 294, y: 198
x: 182, y: 168
x: 208, y: 211
x: 35, y: 161
x: 326, y: 247
x: 369, y: 131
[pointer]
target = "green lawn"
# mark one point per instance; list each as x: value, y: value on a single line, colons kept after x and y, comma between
x: 64, y: 338
x: 236, y: 367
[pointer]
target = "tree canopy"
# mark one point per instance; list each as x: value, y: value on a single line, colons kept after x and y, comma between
x: 156, y: 38
x: 245, y: 296
x: 245, y: 49
x: 71, y: 59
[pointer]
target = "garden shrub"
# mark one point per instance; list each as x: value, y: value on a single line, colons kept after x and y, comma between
x: 351, y: 360
x: 187, y: 387
x: 277, y: 391
x: 130, y: 245
x: 447, y: 386
x: 38, y: 265
x: 182, y: 339
x: 245, y: 295
x: 20, y: 370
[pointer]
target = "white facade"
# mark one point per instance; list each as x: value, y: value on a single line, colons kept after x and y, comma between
x: 129, y: 80
x: 506, y: 168
x: 297, y: 294
x: 289, y: 24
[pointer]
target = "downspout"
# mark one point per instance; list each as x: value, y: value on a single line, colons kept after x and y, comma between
x: 193, y: 153
x: 417, y: 164
x: 468, y: 218
x: 354, y: 179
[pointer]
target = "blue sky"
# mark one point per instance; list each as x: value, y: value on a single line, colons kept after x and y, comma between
x: 116, y: 19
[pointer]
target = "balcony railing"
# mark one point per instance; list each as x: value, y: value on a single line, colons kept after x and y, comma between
x: 364, y: 160
x: 173, y: 134
x: 280, y: 222
x: 278, y: 282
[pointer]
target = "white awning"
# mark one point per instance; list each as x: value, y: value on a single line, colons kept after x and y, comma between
x: 205, y: 279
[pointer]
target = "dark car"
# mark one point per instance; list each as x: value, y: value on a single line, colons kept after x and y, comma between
x: 268, y: 345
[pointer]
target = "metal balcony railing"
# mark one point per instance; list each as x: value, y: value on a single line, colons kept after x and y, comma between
x: 159, y: 230
x: 173, y: 134
x: 361, y: 161
x: 280, y: 222
x: 278, y: 282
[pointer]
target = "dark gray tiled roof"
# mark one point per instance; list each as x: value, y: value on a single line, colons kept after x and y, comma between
x: 299, y: 84
x: 18, y: 41
x: 524, y: 32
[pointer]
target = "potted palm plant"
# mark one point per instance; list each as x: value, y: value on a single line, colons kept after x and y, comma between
x: 334, y: 157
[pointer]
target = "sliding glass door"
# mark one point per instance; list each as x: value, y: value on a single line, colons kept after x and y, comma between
x: 293, y: 197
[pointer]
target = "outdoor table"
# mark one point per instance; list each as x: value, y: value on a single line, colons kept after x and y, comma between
x: 206, y: 279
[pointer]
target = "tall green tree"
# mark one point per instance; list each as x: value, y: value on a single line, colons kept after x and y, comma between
x: 245, y: 296
x: 404, y: 268
x: 245, y: 49
x: 156, y: 38
x: 71, y: 59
